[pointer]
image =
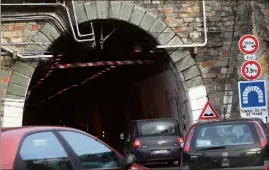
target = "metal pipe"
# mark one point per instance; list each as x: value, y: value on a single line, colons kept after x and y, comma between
x: 25, y: 57
x: 33, y: 17
x: 24, y: 43
x: 38, y: 56
x: 191, y: 45
x: 11, y: 51
x: 75, y: 15
x: 54, y: 5
x: 29, y: 53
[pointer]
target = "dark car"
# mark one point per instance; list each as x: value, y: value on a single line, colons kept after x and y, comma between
x: 58, y: 148
x: 228, y: 144
x: 154, y: 140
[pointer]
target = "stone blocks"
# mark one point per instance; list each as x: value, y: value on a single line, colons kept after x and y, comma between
x: 147, y: 21
x: 125, y: 11
x: 166, y: 36
x: 91, y: 11
x: 137, y: 15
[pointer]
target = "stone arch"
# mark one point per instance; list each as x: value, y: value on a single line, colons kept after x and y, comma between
x: 183, y: 63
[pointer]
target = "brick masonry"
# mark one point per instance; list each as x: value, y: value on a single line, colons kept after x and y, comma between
x: 215, y: 65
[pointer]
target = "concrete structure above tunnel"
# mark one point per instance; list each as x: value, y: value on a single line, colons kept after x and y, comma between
x: 183, y: 63
x: 217, y: 62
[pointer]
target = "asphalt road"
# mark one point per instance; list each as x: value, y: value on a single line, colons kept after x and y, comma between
x: 185, y: 168
x: 166, y: 168
x: 161, y: 166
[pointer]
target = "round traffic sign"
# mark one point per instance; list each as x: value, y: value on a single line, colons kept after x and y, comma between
x: 248, y: 44
x: 251, y: 70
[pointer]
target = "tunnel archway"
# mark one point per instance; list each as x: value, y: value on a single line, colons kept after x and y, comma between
x: 181, y: 62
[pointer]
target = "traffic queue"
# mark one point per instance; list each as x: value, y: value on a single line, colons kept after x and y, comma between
x: 227, y: 144
x: 230, y: 144
x: 210, y: 144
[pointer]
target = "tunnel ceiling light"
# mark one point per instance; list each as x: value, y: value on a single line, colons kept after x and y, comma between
x: 137, y: 49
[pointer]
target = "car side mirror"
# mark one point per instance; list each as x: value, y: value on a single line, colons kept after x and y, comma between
x: 122, y: 136
x: 130, y: 159
x: 182, y: 144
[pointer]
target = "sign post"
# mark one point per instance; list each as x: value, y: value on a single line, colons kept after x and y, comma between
x: 252, y: 93
x: 253, y: 99
x: 209, y: 113
x: 251, y: 70
x: 248, y: 44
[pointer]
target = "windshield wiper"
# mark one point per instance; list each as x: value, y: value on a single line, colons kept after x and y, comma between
x: 212, y: 148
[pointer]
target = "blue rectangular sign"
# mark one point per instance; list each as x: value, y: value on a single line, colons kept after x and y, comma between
x: 252, y: 94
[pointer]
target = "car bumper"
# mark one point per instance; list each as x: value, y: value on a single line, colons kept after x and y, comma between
x: 238, y: 168
x: 144, y: 154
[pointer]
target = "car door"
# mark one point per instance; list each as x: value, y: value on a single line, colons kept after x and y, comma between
x: 90, y: 153
x: 42, y: 150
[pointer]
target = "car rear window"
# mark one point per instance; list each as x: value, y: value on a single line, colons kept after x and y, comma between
x: 215, y: 135
x: 158, y: 127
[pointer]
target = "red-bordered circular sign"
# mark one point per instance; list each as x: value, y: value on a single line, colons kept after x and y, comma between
x: 251, y: 70
x: 248, y: 44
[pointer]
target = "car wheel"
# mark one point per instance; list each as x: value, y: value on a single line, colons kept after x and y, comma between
x: 192, y: 168
x: 179, y: 162
x: 171, y: 163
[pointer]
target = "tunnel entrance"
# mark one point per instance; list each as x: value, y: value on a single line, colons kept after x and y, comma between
x: 102, y: 100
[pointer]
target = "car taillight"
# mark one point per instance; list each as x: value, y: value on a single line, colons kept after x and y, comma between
x: 137, y: 144
x: 180, y: 140
x: 187, y: 144
x: 261, y: 134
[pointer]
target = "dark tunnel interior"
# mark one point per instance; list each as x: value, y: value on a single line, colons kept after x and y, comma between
x: 104, y: 105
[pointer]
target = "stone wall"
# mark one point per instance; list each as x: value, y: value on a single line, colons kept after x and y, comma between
x: 251, y: 19
x: 218, y: 61
x: 260, y: 19
x: 14, y: 33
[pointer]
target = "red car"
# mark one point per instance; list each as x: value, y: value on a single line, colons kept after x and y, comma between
x: 58, y: 148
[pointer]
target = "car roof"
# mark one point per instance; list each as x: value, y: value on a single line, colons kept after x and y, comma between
x: 26, y: 129
x: 16, y: 133
x: 227, y: 120
x: 158, y: 119
x: 12, y: 136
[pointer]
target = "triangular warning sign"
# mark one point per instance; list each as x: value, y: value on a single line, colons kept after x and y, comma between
x: 209, y: 113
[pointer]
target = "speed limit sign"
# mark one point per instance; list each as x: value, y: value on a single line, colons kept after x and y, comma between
x: 251, y: 70
x: 248, y: 44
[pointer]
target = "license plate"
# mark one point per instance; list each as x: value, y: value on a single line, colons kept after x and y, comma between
x: 160, y: 152
x: 225, y: 164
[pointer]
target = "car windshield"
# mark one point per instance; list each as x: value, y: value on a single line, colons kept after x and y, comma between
x: 149, y: 128
x: 224, y: 135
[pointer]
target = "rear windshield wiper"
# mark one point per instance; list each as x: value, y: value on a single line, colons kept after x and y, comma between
x: 212, y: 148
